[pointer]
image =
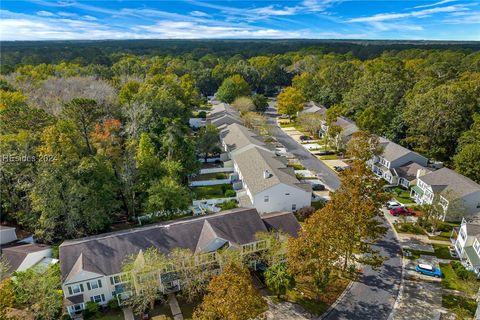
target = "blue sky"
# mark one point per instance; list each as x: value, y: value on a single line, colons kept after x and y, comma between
x: 323, y: 19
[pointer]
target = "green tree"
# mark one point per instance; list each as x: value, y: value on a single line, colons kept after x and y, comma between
x: 83, y: 113
x: 208, y: 140
x: 290, y: 101
x: 445, y: 112
x: 222, y: 299
x: 468, y: 156
x: 233, y: 87
x: 278, y: 279
x: 260, y: 102
x: 167, y: 194
x: 144, y: 270
x: 39, y: 291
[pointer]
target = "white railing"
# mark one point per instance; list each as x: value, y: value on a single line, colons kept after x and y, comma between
x: 212, y: 201
x: 216, y: 170
x: 208, y: 182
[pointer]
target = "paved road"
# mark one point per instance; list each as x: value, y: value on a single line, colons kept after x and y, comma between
x: 374, y: 295
x: 308, y: 160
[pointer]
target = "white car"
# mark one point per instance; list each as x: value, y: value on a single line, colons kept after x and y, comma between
x: 394, y: 205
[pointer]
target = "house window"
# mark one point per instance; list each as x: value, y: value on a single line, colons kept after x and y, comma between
x: 287, y: 194
x: 98, y: 298
x: 77, y: 307
x: 265, y: 199
x: 94, y: 284
x: 294, y: 207
x: 76, y: 288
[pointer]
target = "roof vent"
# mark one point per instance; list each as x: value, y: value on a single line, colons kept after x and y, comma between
x: 266, y: 174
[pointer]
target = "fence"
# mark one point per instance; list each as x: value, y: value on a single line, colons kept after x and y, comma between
x: 212, y: 201
x: 215, y: 170
x: 208, y: 182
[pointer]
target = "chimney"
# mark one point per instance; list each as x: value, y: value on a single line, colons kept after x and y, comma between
x: 266, y: 174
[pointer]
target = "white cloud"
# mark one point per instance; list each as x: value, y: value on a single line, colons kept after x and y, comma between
x: 89, y: 18
x: 276, y: 11
x: 197, y: 13
x: 413, y: 14
x: 66, y: 14
x: 434, y: 4
x: 43, y: 13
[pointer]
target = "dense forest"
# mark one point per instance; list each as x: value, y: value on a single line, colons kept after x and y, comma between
x: 108, y: 126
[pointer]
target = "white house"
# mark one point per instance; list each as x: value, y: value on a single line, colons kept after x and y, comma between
x: 7, y: 234
x: 91, y: 267
x: 467, y: 244
x: 267, y: 184
x: 398, y: 165
x: 458, y: 195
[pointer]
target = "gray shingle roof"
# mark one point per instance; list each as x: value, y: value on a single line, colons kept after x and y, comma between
x: 312, y: 107
x: 252, y: 164
x: 451, y: 183
x: 237, y: 136
x: 282, y: 221
x: 16, y: 253
x: 409, y: 170
x: 345, y: 123
x: 473, y: 229
x: 391, y: 150
x: 105, y: 253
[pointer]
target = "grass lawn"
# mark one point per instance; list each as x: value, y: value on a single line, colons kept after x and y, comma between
x: 309, y: 300
x: 402, y: 195
x: 452, y: 281
x: 329, y: 157
x: 442, y: 252
x: 296, y: 166
x: 446, y: 231
x: 111, y: 315
x: 409, y: 228
x: 318, y: 204
x: 161, y: 312
x: 460, y: 305
x: 210, y: 176
x: 210, y: 192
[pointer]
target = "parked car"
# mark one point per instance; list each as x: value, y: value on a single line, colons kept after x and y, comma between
x: 340, y: 168
x: 394, y: 204
x: 318, y: 187
x: 428, y: 270
x: 402, y: 211
x: 305, y: 138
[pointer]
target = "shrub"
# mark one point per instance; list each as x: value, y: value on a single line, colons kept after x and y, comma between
x: 220, y: 176
x: 91, y: 310
x: 202, y: 114
x: 230, y: 193
x: 304, y: 213
x: 227, y: 205
x: 113, y: 304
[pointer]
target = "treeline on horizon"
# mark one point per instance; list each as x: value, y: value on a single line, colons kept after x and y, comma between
x: 119, y: 137
x: 107, y: 52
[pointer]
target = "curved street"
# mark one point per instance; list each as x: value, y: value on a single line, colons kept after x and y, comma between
x: 373, y: 295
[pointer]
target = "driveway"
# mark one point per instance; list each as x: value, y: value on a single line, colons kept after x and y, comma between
x: 420, y: 300
x: 308, y: 160
x: 374, y: 295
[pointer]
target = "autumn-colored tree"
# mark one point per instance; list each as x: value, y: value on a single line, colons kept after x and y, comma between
x: 254, y: 120
x: 7, y: 297
x: 363, y: 146
x: 290, y: 101
x: 231, y: 296
x: 312, y: 122
x: 244, y: 104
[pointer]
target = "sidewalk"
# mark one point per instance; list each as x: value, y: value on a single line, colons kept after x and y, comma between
x: 174, y: 307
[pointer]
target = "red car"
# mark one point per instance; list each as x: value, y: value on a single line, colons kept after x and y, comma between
x: 402, y: 212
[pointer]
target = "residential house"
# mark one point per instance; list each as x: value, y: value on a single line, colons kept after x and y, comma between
x: 22, y: 256
x: 467, y: 244
x: 91, y: 267
x: 267, y: 184
x: 398, y: 165
x: 222, y: 115
x: 313, y: 107
x: 458, y: 195
x: 346, y: 126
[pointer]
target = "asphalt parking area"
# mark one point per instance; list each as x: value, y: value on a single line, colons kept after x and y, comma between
x: 419, y: 300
